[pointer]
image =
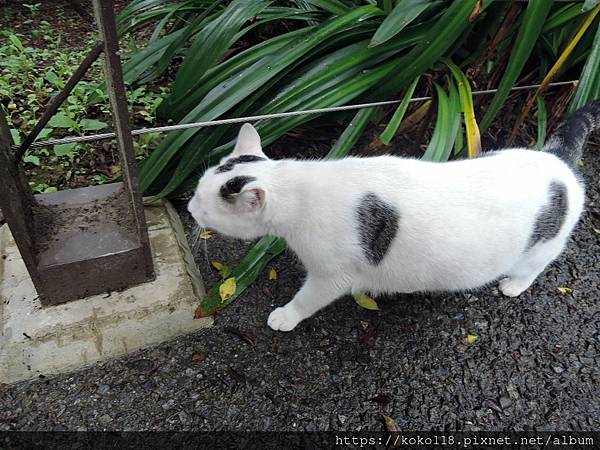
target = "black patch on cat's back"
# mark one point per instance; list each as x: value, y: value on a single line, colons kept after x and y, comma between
x: 552, y: 216
x: 377, y: 226
x: 234, y: 186
x: 230, y: 163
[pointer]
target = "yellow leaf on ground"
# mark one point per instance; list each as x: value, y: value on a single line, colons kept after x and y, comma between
x: 391, y: 425
x: 272, y: 274
x: 565, y: 290
x: 366, y: 302
x: 227, y: 289
x: 581, y: 163
x: 471, y: 338
x: 206, y: 234
x: 597, y: 230
x: 224, y: 270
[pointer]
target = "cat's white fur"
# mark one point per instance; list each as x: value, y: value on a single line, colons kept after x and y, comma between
x: 461, y: 224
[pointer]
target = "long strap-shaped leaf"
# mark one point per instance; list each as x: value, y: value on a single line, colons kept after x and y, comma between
x: 269, y: 246
x: 558, y: 65
x: 210, y: 44
x: 588, y: 88
x: 223, y: 99
x: 529, y: 31
x: 446, y: 126
x: 466, y: 103
x: 403, y: 13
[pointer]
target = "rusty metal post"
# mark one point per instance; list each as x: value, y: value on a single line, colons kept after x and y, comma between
x: 104, y: 11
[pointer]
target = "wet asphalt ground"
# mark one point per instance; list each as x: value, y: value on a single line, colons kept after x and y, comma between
x: 535, y: 364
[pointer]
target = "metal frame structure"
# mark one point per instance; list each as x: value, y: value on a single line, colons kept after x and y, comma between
x: 85, y: 241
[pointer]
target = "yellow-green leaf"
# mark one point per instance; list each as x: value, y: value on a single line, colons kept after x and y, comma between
x: 597, y: 231
x: 272, y: 274
x: 366, y: 302
x: 565, y: 290
x: 223, y: 269
x: 391, y: 425
x: 471, y: 338
x: 466, y: 105
x: 227, y: 289
x: 206, y: 234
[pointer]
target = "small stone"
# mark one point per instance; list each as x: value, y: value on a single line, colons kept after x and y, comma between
x: 558, y: 369
x: 168, y: 404
x: 103, y: 389
x: 105, y: 419
x: 505, y: 402
x: 342, y: 418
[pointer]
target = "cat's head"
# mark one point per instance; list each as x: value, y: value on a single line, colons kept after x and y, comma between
x: 230, y: 197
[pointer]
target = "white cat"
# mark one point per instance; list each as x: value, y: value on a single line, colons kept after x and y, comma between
x: 388, y: 224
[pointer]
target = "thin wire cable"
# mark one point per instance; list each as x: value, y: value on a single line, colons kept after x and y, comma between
x: 186, y: 126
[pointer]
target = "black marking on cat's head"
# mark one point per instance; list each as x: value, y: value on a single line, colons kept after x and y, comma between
x: 552, y: 216
x: 234, y: 186
x: 377, y: 226
x: 230, y: 163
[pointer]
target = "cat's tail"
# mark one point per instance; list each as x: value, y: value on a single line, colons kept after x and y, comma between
x: 570, y: 137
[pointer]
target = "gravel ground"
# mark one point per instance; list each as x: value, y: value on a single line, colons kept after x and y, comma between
x: 535, y: 365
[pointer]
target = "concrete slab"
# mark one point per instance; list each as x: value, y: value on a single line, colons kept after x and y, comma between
x: 36, y: 340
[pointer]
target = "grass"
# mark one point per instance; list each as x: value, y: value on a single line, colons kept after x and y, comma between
x: 30, y: 75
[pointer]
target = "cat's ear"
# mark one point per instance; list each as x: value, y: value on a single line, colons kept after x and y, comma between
x: 248, y: 142
x: 252, y: 199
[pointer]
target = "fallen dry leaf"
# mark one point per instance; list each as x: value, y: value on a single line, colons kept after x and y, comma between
x: 366, y: 302
x: 206, y: 234
x: 391, y: 425
x: 471, y: 338
x: 199, y: 313
x: 243, y: 336
x: 565, y: 290
x: 272, y: 274
x: 196, y: 357
x: 227, y: 289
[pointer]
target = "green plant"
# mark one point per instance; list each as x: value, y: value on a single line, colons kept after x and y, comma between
x: 30, y: 75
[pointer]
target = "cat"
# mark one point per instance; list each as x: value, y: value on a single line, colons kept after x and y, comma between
x: 389, y: 224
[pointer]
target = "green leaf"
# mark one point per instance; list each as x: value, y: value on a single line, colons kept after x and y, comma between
x: 466, y: 105
x: 394, y: 123
x: 65, y: 149
x: 588, y: 88
x: 32, y: 159
x: 364, y: 301
x: 542, y: 115
x: 92, y: 124
x: 333, y: 6
x: 403, y: 13
x: 351, y: 134
x: 16, y: 41
x: 222, y: 98
x: 53, y: 79
x: 60, y: 120
x: 446, y: 126
x: 16, y: 136
x: 210, y: 44
x: 529, y: 31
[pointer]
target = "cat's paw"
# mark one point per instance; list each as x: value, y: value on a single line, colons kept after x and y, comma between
x: 512, y: 287
x: 283, y: 319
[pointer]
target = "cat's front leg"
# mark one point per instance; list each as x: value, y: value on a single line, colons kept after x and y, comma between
x: 316, y: 293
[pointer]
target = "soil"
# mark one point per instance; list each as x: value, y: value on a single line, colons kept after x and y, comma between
x: 535, y: 364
